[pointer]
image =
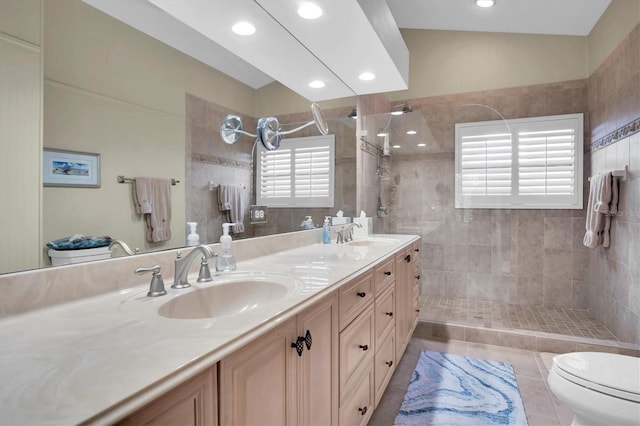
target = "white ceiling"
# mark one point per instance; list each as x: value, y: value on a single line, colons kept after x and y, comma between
x: 559, y: 17
x: 352, y: 35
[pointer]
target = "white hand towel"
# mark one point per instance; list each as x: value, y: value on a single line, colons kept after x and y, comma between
x: 594, y: 222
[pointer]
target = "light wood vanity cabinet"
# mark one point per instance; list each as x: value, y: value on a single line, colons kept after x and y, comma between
x: 268, y: 383
x: 357, y: 335
x: 191, y: 403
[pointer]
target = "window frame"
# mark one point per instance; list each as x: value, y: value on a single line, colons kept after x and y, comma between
x: 514, y: 127
x: 297, y: 145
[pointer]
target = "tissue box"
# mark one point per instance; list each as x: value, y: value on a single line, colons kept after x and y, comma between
x: 367, y: 227
x: 340, y: 220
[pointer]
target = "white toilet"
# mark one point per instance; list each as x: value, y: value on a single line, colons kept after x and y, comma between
x: 600, y: 388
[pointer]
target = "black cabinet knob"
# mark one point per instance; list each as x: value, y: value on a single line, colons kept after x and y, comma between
x: 298, y: 345
x: 387, y: 273
x: 361, y: 293
x: 389, y: 363
x: 407, y: 258
x: 363, y: 410
x: 417, y: 277
x: 308, y: 340
x: 389, y: 313
x: 364, y: 347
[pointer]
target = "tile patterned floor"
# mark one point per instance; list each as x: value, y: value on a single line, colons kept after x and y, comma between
x: 531, y: 368
x: 570, y: 322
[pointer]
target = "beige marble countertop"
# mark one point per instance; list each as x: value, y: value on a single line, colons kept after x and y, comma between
x: 100, y: 358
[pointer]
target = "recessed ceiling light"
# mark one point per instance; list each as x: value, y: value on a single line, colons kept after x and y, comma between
x: 243, y: 28
x: 411, y: 132
x: 396, y: 113
x: 396, y: 146
x: 309, y: 11
x: 366, y: 76
x: 316, y: 84
x: 422, y: 144
x: 485, y: 3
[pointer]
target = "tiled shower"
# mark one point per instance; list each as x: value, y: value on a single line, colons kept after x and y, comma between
x: 524, y: 269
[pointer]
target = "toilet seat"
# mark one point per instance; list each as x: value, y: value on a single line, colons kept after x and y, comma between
x: 611, y: 374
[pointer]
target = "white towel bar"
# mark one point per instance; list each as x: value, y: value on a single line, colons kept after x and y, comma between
x: 620, y: 173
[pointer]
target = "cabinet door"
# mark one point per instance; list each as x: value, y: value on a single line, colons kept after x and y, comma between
x: 402, y: 302
x: 191, y: 403
x: 318, y: 365
x: 258, y: 382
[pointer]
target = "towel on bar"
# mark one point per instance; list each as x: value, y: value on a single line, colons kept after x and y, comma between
x: 152, y: 198
x: 230, y: 202
x: 602, y: 204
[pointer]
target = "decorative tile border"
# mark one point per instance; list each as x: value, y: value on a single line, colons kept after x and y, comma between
x: 621, y: 133
x: 202, y: 158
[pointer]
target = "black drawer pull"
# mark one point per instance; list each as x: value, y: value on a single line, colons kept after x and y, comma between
x: 361, y: 293
x: 416, y: 249
x: 389, y: 313
x: 308, y: 340
x: 389, y: 363
x: 363, y: 411
x: 364, y: 347
x: 387, y: 273
x: 417, y: 277
x: 298, y: 345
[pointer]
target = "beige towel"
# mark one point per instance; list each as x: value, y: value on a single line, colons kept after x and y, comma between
x: 231, y: 203
x: 152, y: 198
x: 602, y: 204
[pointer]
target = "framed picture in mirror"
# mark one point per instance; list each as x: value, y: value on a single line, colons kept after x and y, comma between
x: 70, y: 168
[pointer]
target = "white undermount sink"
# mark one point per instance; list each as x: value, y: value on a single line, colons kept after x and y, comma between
x: 231, y: 294
x: 373, y: 242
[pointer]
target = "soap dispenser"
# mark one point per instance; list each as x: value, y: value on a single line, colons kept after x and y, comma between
x: 193, y: 239
x: 326, y: 230
x: 307, y: 223
x: 225, y: 261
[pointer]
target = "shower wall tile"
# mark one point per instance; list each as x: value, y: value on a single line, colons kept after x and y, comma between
x: 613, y: 282
x: 558, y: 233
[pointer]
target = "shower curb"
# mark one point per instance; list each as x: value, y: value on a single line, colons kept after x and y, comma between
x: 520, y: 339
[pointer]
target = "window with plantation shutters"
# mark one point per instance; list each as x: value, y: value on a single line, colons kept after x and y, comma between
x: 531, y: 163
x: 298, y: 174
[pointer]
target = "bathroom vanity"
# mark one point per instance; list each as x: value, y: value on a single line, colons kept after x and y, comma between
x: 307, y: 335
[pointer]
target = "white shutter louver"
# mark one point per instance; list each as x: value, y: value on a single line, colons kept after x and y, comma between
x: 522, y: 163
x: 299, y: 174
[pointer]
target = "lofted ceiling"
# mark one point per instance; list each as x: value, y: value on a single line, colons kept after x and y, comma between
x: 351, y: 36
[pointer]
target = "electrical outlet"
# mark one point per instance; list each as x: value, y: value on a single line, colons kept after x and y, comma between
x: 258, y: 214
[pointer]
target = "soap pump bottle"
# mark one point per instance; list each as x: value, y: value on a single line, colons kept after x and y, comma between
x: 193, y: 239
x: 225, y: 261
x: 307, y: 223
x: 326, y: 230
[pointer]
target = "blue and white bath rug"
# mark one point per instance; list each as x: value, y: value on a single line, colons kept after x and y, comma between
x: 448, y: 389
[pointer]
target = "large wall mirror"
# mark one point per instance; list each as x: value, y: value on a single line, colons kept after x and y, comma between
x: 148, y: 110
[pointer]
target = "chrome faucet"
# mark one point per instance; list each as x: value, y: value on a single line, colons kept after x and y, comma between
x: 346, y: 233
x: 182, y: 265
x: 124, y: 246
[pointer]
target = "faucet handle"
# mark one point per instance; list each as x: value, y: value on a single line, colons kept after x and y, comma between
x: 204, y: 275
x: 156, y: 288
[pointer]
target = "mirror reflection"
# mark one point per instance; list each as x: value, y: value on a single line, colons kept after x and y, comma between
x: 148, y: 111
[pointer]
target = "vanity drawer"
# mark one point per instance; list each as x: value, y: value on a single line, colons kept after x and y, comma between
x: 384, y: 364
x: 384, y: 313
x: 358, y: 406
x: 356, y: 347
x: 384, y: 275
x: 354, y: 298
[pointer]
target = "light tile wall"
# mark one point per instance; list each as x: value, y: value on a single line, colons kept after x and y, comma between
x: 518, y: 256
x: 613, y: 279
